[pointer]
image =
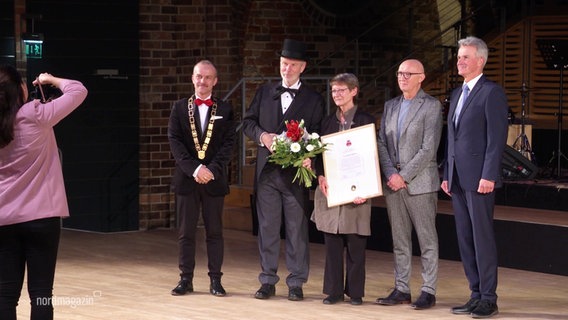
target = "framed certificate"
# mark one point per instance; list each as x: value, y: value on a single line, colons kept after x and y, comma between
x: 351, y: 165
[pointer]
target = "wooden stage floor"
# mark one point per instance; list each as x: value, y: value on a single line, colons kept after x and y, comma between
x: 123, y: 276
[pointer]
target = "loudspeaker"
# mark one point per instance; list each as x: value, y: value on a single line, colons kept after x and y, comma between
x: 516, y: 166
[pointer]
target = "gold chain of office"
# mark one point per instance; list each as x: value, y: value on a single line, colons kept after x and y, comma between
x: 201, y: 149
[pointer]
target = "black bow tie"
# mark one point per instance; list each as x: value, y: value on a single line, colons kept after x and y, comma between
x: 280, y: 90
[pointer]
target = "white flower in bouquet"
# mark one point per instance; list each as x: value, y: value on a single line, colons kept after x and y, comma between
x: 293, y: 146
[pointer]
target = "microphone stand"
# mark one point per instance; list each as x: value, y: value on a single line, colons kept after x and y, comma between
x: 555, y: 55
x: 522, y: 143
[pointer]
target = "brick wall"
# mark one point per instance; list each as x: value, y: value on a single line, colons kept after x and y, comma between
x: 174, y: 35
x: 242, y: 37
x: 19, y: 28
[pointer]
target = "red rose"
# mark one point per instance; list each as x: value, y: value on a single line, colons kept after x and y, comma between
x: 294, y: 131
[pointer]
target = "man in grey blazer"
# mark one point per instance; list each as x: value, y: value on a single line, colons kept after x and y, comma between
x: 272, y: 105
x: 411, y: 127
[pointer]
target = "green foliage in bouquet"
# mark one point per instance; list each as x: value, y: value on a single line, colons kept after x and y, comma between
x: 293, y: 146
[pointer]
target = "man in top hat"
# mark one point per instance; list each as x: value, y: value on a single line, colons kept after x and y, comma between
x: 278, y: 200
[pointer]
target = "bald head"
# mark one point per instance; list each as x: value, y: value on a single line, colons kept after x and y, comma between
x: 414, y: 65
x: 410, y: 76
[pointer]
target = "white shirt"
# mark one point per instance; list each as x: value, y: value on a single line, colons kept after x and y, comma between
x: 286, y: 98
x: 203, y: 111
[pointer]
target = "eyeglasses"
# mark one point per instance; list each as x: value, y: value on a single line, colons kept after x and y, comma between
x: 339, y: 91
x: 407, y: 75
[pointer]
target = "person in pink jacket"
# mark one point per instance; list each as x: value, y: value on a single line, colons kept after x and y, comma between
x: 32, y: 193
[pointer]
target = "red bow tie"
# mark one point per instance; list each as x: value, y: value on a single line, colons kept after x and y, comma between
x: 207, y: 102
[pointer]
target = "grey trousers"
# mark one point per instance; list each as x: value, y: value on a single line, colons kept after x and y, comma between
x: 406, y: 211
x: 276, y: 194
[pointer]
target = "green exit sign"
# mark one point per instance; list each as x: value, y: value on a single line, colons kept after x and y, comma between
x: 33, y: 45
x: 34, y: 49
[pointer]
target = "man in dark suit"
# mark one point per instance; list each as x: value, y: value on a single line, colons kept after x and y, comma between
x: 411, y: 127
x: 201, y: 132
x: 272, y: 105
x: 477, y: 134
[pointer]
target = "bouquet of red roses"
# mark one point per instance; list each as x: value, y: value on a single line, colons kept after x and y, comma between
x: 290, y: 148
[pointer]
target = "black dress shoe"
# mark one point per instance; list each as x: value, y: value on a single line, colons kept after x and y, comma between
x: 356, y: 301
x: 425, y: 301
x: 265, y: 291
x: 331, y: 299
x: 216, y: 288
x: 466, y: 308
x: 295, y: 294
x: 183, y: 286
x: 485, y: 309
x: 396, y: 297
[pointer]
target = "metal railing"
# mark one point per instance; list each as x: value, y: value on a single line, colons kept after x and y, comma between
x: 379, y: 84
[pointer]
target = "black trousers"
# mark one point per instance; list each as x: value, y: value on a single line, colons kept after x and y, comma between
x: 344, y: 250
x: 473, y: 213
x: 189, y: 207
x: 34, y: 245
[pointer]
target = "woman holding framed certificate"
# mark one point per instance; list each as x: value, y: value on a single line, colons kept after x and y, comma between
x: 347, y: 225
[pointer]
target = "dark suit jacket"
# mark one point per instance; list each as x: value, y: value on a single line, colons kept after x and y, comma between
x: 265, y: 115
x: 330, y: 125
x: 475, y: 147
x: 218, y: 153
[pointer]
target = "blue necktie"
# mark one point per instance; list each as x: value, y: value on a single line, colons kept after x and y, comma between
x: 465, y: 94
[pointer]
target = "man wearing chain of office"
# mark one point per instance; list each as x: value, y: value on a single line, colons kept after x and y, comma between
x: 201, y: 132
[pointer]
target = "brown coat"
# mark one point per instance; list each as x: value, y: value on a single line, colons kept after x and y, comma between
x: 343, y: 219
x: 348, y: 218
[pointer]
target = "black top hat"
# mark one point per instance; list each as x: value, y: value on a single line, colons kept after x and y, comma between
x: 293, y: 49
